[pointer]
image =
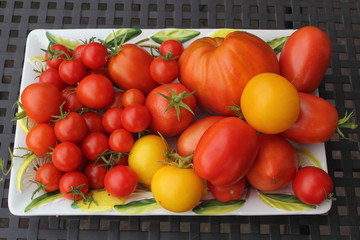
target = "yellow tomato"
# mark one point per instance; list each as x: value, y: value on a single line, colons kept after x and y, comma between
x: 270, y: 103
x: 146, y: 155
x: 177, y: 189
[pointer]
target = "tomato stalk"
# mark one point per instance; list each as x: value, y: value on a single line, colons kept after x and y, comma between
x: 110, y: 158
x: 237, y: 111
x: 76, y: 191
x: 21, y: 113
x: 343, y: 123
x: 55, y: 54
x: 40, y: 186
x: 62, y: 113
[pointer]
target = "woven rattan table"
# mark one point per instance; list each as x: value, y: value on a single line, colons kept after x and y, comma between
x: 339, y: 18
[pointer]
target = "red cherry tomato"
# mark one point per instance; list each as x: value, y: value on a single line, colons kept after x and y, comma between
x: 121, y: 140
x: 117, y: 101
x: 76, y: 53
x: 55, y: 54
x: 72, y: 71
x: 164, y: 70
x: 120, y: 181
x: 112, y: 119
x: 72, y: 128
x: 51, y: 75
x: 72, y: 180
x: 94, y: 55
x: 94, y: 144
x: 93, y: 121
x: 72, y: 103
x: 135, y: 118
x: 49, y: 176
x: 67, y: 157
x: 41, y: 138
x: 228, y: 192
x: 132, y: 96
x: 95, y: 173
x: 171, y: 47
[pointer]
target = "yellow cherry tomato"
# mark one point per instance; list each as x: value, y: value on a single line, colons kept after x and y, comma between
x: 146, y: 155
x: 177, y: 189
x: 270, y: 103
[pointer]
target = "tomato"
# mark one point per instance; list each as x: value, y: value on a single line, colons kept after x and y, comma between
x: 76, y: 53
x: 164, y: 70
x: 130, y: 68
x: 41, y: 101
x: 305, y: 58
x: 40, y: 139
x: 172, y: 111
x: 93, y: 122
x: 55, y: 54
x: 225, y: 193
x: 49, y: 176
x: 67, y: 157
x: 120, y: 181
x: 270, y: 103
x: 135, y: 118
x: 171, y: 47
x: 117, y: 101
x: 316, y: 123
x: 121, y: 140
x: 132, y: 96
x: 74, y: 180
x: 95, y: 173
x: 145, y: 157
x: 94, y: 55
x: 94, y: 144
x: 312, y: 185
x: 112, y: 119
x: 51, y: 75
x: 275, y: 164
x: 69, y: 96
x: 95, y: 91
x: 177, y: 189
x: 189, y: 138
x: 72, y: 71
x: 71, y: 128
x: 219, y: 68
x: 226, y: 151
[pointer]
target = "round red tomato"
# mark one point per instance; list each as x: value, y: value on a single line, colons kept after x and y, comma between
x: 305, y: 58
x: 74, y: 185
x: 67, y: 157
x: 112, y: 119
x: 120, y: 181
x: 72, y: 71
x: 94, y: 55
x: 312, y: 185
x: 41, y: 101
x: 117, y: 101
x: 121, y: 140
x: 135, y: 118
x: 76, y: 53
x: 72, y: 128
x: 93, y: 122
x: 171, y: 47
x: 95, y: 173
x: 95, y: 91
x: 72, y: 103
x: 41, y: 138
x: 225, y: 193
x: 172, y: 108
x: 275, y: 164
x: 55, y: 54
x: 130, y: 68
x: 226, y: 151
x: 94, y: 144
x: 132, y: 96
x: 164, y: 70
x: 51, y: 75
x: 49, y: 176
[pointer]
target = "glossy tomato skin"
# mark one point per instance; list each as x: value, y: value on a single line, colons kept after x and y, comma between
x: 189, y: 138
x: 56, y: 49
x: 317, y: 121
x: 72, y: 128
x: 67, y: 157
x: 120, y: 181
x: 72, y: 103
x: 117, y: 100
x: 305, y: 58
x: 166, y: 121
x: 224, y: 66
x: 94, y: 55
x: 225, y: 193
x: 73, y: 179
x: 135, y: 118
x: 72, y: 71
x: 171, y: 47
x: 94, y: 144
x: 51, y: 75
x: 130, y: 68
x: 93, y: 121
x: 275, y: 164
x: 121, y: 141
x: 95, y: 173
x: 111, y: 119
x: 163, y: 70
x: 41, y: 138
x: 312, y: 185
x: 41, y: 101
x: 133, y: 96
x: 49, y: 176
x: 226, y: 151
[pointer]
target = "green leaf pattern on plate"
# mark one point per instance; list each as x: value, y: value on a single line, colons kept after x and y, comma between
x: 45, y: 198
x: 286, y: 202
x: 181, y: 35
x: 307, y: 158
x: 215, y: 207
x: 138, y: 207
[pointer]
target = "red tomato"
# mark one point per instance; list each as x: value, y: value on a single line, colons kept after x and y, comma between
x: 316, y: 123
x: 95, y: 173
x: 95, y: 91
x: 112, y: 119
x: 121, y: 140
x: 55, y: 54
x: 120, y: 181
x: 117, y: 101
x: 72, y: 71
x: 130, y: 68
x: 41, y: 101
x: 171, y: 47
x: 228, y: 192
x: 67, y: 157
x: 72, y: 128
x: 93, y: 121
x: 226, y: 151
x: 72, y: 103
x: 305, y: 58
x: 189, y: 138
x: 135, y: 118
x: 72, y: 180
x: 172, y: 121
x: 275, y: 164
x: 51, y: 75
x: 94, y: 145
x: 132, y: 96
x: 40, y: 139
x: 312, y: 185
x: 49, y: 176
x: 94, y: 55
x: 163, y: 70
x: 76, y: 53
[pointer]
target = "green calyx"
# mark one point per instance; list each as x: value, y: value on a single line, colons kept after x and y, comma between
x: 77, y: 191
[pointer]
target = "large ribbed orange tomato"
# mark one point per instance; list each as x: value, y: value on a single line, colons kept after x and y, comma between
x: 219, y: 68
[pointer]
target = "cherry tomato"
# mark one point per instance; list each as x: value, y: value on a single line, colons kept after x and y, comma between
x: 164, y: 70
x: 72, y: 128
x: 93, y: 122
x: 117, y: 101
x: 49, y: 176
x: 69, y: 96
x: 121, y: 140
x: 225, y: 193
x: 112, y: 119
x: 95, y: 91
x: 95, y: 173
x: 172, y: 47
x: 67, y: 157
x: 51, y: 75
x: 94, y: 55
x: 56, y: 53
x: 120, y: 181
x: 94, y: 144
x: 135, y: 118
x: 41, y: 138
x: 72, y: 71
x: 312, y: 185
x: 71, y: 180
x: 76, y: 53
x: 132, y: 96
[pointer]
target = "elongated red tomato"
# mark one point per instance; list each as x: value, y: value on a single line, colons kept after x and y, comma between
x: 305, y: 58
x: 226, y: 151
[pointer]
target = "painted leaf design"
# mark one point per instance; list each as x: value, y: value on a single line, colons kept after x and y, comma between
x: 119, y: 35
x: 181, y: 35
x: 277, y: 44
x: 45, y: 198
x: 306, y: 158
x: 215, y: 207
x: 286, y: 202
x: 53, y: 39
x: 138, y: 207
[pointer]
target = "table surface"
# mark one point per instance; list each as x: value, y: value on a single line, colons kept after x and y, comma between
x: 340, y: 19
